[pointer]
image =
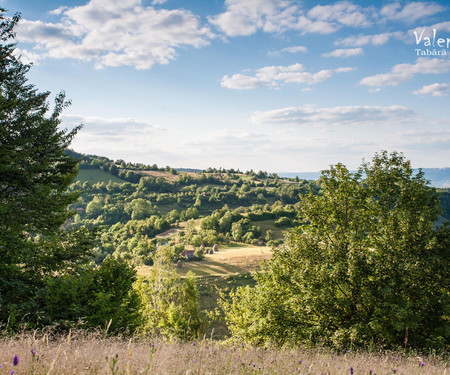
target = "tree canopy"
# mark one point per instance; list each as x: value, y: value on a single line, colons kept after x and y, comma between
x: 35, y: 173
x: 369, y: 265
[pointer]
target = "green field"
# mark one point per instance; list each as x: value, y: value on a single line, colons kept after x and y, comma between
x: 97, y: 175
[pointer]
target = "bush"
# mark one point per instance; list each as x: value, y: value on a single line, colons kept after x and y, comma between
x: 95, y: 297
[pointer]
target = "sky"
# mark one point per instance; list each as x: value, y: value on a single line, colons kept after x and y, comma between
x: 272, y: 85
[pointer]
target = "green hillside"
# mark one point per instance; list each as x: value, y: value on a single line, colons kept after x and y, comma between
x: 94, y: 176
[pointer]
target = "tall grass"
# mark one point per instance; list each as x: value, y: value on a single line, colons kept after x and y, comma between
x: 83, y: 353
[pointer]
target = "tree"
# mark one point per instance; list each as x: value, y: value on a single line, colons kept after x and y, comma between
x: 169, y: 305
x: 369, y: 265
x: 139, y: 209
x: 35, y: 173
x: 95, y: 207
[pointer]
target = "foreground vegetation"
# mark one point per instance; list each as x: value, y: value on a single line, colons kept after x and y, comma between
x: 364, y: 264
x: 369, y: 264
x: 79, y: 353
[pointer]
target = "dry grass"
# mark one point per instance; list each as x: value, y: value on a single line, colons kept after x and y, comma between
x: 94, y: 354
x: 245, y: 259
x: 227, y: 261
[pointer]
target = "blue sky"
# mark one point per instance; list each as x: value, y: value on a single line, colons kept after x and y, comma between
x: 275, y: 85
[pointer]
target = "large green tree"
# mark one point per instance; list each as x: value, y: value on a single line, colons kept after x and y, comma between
x: 35, y: 174
x: 369, y: 266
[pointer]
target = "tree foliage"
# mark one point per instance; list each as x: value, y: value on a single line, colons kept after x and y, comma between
x: 369, y: 265
x: 35, y: 174
x: 169, y: 305
x: 100, y: 297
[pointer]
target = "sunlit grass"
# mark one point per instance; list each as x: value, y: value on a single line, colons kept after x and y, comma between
x: 96, y: 354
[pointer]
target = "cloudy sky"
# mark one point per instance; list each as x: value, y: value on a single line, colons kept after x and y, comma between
x: 275, y: 85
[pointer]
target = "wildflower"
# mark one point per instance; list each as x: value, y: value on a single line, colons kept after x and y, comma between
x: 33, y: 352
x: 15, y: 360
x: 422, y: 363
x: 351, y: 370
x: 11, y: 372
x: 395, y: 358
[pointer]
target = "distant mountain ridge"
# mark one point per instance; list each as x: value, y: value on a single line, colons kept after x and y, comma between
x: 438, y: 177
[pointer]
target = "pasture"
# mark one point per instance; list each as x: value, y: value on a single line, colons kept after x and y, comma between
x: 227, y: 261
x: 94, y: 176
x: 95, y: 353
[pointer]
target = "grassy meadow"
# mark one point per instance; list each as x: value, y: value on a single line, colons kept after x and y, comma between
x: 93, y: 354
x: 94, y: 176
x: 229, y: 260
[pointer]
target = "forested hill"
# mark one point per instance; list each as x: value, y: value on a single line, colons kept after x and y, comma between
x: 438, y: 177
x: 137, y: 202
x: 139, y: 205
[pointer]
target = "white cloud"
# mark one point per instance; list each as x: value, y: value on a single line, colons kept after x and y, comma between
x: 344, y: 52
x: 110, y: 126
x: 411, y: 12
x: 344, y: 13
x: 59, y: 10
x: 426, y: 143
x: 382, y: 38
x: 436, y: 89
x: 290, y: 49
x: 405, y: 72
x: 115, y: 34
x: 229, y: 140
x: 245, y: 17
x: 295, y: 49
x: 375, y: 40
x: 441, y: 26
x: 308, y: 26
x: 274, y: 76
x: 45, y: 34
x: 123, y: 138
x: 27, y: 57
x: 341, y: 115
